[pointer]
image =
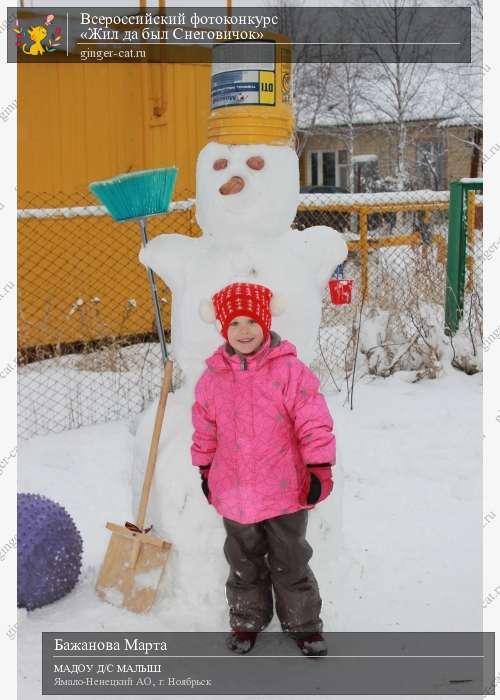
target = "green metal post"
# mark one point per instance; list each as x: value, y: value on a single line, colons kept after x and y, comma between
x: 454, y: 270
x: 457, y: 252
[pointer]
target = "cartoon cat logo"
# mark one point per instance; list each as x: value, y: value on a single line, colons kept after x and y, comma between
x: 37, y: 34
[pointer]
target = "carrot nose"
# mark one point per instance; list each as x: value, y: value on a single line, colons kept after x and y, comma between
x: 232, y: 186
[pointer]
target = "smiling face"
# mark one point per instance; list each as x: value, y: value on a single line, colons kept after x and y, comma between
x: 244, y: 191
x: 245, y: 335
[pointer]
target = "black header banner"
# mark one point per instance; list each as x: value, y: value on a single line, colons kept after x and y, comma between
x: 188, y: 35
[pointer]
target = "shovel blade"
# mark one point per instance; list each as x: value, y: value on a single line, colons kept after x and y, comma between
x: 128, y: 580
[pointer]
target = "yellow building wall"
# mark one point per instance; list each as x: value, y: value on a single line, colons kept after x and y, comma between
x: 76, y: 124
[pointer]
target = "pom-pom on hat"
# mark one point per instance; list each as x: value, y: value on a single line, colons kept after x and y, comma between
x: 243, y: 299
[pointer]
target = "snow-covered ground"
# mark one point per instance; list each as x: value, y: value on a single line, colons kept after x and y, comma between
x: 408, y: 556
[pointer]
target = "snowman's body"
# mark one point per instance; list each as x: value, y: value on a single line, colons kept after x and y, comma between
x: 247, y: 238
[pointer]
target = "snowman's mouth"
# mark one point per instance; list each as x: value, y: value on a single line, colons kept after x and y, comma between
x: 232, y: 186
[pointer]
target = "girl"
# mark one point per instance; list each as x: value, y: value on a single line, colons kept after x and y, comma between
x: 263, y: 440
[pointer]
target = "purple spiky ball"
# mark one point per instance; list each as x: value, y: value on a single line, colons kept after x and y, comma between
x: 49, y: 551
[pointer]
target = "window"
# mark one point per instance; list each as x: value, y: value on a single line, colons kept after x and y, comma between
x: 366, y: 173
x: 314, y: 168
x: 343, y: 178
x: 328, y: 168
x: 430, y: 165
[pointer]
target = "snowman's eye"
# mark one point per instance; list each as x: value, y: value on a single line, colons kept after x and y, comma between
x: 220, y: 164
x: 255, y: 163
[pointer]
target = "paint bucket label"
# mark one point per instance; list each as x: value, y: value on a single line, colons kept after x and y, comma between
x: 249, y: 83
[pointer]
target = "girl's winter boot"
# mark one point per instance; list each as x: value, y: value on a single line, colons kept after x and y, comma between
x: 241, y: 641
x: 311, y: 644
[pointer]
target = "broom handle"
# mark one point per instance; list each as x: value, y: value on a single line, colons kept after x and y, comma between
x: 155, y: 440
x: 154, y: 296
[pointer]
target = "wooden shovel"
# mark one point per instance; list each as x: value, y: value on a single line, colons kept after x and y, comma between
x: 135, y: 560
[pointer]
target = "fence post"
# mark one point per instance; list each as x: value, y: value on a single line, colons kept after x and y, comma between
x: 455, y: 269
x: 461, y: 215
x: 470, y: 238
x: 363, y: 251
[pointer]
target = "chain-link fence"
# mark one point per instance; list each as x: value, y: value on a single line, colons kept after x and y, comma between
x: 88, y: 349
x: 397, y: 261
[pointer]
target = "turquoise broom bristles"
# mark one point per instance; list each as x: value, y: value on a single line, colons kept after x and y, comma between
x: 138, y: 194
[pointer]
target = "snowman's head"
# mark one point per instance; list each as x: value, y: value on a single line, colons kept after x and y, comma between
x: 246, y: 191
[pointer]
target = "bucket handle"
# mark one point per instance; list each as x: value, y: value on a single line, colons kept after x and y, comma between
x: 339, y: 271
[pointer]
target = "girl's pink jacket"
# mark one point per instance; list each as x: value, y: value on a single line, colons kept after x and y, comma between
x: 258, y: 421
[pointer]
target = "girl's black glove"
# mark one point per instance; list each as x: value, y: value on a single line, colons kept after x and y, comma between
x: 321, y: 482
x: 204, y: 482
x: 314, y: 489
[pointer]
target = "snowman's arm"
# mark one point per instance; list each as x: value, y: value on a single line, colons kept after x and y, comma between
x: 322, y: 248
x: 168, y: 255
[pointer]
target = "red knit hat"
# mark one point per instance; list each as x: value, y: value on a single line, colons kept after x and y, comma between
x: 243, y: 299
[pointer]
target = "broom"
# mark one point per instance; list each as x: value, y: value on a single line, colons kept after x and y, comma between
x: 135, y: 560
x: 139, y: 195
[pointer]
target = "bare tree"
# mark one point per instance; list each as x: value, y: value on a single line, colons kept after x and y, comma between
x: 400, y: 87
x: 312, y: 84
x: 331, y: 94
x: 309, y: 79
x: 345, y: 103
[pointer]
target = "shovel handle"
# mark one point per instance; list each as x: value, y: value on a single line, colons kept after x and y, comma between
x: 134, y: 554
x: 155, y: 440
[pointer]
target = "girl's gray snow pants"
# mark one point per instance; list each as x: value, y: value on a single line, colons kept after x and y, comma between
x: 271, y: 555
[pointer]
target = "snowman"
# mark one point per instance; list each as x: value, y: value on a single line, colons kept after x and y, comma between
x: 246, y: 201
